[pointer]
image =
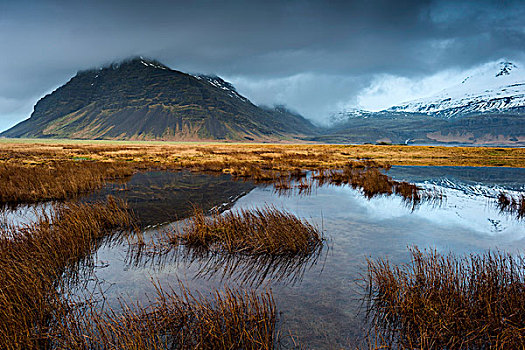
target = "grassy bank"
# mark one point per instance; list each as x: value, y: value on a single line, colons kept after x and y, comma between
x: 20, y: 183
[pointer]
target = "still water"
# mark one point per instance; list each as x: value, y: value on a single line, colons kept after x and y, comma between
x: 319, y: 300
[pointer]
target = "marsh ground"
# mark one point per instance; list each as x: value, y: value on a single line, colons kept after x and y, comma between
x: 320, y: 307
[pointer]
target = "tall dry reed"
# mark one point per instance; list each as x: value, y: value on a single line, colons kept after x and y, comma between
x: 39, y: 258
x: 224, y: 320
x: 448, y: 302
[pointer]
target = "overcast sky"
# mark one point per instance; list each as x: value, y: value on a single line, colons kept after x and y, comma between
x: 317, y: 57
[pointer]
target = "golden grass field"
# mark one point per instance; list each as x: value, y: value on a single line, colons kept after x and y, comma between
x: 187, y: 154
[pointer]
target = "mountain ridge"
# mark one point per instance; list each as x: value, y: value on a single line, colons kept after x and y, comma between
x: 487, y: 107
x: 141, y: 99
x: 493, y: 87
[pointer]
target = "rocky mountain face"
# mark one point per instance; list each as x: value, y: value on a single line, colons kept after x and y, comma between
x: 141, y: 99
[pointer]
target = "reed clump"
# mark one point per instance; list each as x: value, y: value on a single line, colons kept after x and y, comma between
x: 265, y: 230
x: 448, y: 302
x: 55, y: 181
x: 511, y: 204
x: 373, y: 182
x: 38, y: 259
x: 225, y: 320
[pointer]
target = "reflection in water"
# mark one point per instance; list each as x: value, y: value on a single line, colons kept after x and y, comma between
x: 462, y: 177
x: 371, y: 181
x: 160, y: 197
x: 245, y: 270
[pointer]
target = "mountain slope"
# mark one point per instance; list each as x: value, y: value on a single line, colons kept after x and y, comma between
x: 408, y: 128
x: 142, y: 99
x: 492, y: 88
x: 487, y: 107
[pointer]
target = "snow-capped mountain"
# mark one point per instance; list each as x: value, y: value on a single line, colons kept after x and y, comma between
x: 493, y: 87
x: 486, y: 107
x: 349, y: 113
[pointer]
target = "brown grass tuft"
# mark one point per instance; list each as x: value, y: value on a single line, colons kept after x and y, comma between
x: 372, y: 182
x: 38, y: 258
x: 225, y: 320
x: 258, y: 231
x: 449, y: 302
x: 56, y: 181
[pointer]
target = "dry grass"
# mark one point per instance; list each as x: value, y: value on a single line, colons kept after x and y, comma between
x: 38, y: 259
x: 372, y: 182
x: 306, y: 156
x: 265, y: 231
x: 512, y: 205
x: 365, y: 176
x: 448, y: 302
x: 245, y: 269
x: 55, y: 181
x: 225, y: 320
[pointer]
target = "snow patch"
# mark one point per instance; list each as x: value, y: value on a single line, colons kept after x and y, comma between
x: 153, y: 65
x: 221, y: 84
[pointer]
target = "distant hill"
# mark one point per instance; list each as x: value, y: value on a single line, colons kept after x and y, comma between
x: 502, y: 128
x: 486, y: 108
x: 141, y: 99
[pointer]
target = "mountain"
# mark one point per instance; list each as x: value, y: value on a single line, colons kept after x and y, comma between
x: 141, y: 99
x: 351, y: 113
x: 486, y: 108
x: 413, y: 128
x: 495, y: 87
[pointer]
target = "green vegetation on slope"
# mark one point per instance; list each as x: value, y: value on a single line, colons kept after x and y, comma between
x: 144, y: 100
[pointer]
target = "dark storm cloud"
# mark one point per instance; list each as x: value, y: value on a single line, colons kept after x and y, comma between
x: 335, y: 47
